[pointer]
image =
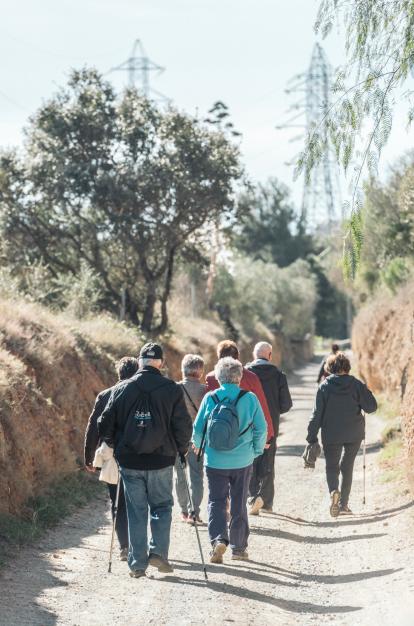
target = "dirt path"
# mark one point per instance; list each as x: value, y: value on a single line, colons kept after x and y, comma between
x: 306, y: 568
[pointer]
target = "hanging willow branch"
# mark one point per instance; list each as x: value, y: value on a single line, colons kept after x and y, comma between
x: 380, y: 57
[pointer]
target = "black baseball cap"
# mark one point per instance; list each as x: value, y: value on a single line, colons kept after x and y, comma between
x: 151, y: 351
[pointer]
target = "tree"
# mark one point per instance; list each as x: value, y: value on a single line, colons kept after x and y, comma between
x: 388, y: 229
x: 118, y: 185
x: 380, y: 59
x: 269, y: 228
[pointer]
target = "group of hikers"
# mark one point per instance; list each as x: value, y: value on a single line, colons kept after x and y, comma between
x: 224, y: 429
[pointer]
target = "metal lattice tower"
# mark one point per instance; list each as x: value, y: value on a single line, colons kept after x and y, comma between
x: 139, y: 67
x: 321, y: 200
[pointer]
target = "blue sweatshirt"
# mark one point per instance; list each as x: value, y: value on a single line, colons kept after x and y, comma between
x: 250, y: 445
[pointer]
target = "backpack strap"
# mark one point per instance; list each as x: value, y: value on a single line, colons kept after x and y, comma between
x: 242, y: 393
x: 215, y: 398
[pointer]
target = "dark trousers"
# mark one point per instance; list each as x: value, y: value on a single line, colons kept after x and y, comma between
x: 121, y: 527
x: 340, y: 459
x: 262, y: 482
x: 223, y: 483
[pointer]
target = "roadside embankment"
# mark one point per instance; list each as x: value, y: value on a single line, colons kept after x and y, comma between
x: 51, y: 368
x: 382, y: 341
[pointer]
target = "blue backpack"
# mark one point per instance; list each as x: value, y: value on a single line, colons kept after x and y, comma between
x: 222, y: 427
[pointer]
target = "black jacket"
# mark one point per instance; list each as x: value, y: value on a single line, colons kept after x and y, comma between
x: 167, y: 399
x: 91, y: 433
x: 275, y: 387
x: 340, y: 401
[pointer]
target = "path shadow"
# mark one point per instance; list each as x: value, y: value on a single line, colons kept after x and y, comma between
x: 330, y: 579
x: 356, y: 520
x: 23, y: 580
x: 238, y: 572
x: 283, y: 534
x: 291, y: 606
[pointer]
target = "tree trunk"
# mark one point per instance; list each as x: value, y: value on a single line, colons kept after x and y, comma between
x: 148, y: 317
x: 166, y: 292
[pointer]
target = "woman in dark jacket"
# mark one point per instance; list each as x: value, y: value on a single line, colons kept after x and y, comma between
x: 338, y: 412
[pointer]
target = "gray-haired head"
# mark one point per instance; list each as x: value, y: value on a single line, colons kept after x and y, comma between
x: 228, y: 370
x: 192, y: 366
x: 262, y: 350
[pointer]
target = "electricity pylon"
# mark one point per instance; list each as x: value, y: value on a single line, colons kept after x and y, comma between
x: 321, y: 201
x: 139, y: 67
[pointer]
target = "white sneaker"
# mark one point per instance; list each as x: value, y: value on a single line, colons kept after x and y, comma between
x: 216, y: 555
x: 256, y: 505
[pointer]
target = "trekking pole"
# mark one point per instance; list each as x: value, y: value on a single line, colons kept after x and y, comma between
x: 193, y: 515
x: 114, y: 518
x: 364, y: 450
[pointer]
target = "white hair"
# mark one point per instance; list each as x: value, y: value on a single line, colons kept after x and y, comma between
x: 192, y: 365
x: 228, y: 370
x: 144, y: 362
x: 262, y: 349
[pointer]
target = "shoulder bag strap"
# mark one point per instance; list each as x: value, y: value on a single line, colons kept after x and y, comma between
x: 189, y: 397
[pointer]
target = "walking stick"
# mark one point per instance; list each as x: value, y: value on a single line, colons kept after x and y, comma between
x: 193, y: 515
x: 114, y: 518
x: 364, y: 454
x: 364, y: 450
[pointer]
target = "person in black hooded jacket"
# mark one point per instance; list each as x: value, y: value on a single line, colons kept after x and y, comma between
x: 276, y: 390
x: 340, y: 403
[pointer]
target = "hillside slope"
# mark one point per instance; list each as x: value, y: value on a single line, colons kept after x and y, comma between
x: 51, y: 368
x: 383, y: 339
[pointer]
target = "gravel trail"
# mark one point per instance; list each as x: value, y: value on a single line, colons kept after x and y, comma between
x: 305, y: 568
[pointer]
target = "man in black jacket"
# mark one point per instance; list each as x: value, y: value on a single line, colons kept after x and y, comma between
x: 147, y: 422
x: 275, y: 387
x: 125, y: 368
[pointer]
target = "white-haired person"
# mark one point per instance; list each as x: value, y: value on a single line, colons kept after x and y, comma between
x: 233, y: 426
x: 192, y: 368
x: 276, y: 390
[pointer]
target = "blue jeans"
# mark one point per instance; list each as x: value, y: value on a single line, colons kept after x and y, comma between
x: 222, y: 484
x: 196, y: 483
x: 148, y: 490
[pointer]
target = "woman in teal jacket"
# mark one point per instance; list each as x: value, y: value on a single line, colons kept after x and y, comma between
x: 228, y: 472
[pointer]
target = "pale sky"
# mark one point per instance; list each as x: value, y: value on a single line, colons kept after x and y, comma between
x: 240, y: 51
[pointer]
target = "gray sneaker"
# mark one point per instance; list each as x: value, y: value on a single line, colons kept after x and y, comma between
x: 137, y: 573
x: 162, y: 565
x: 334, y: 508
x: 123, y: 555
x: 240, y: 555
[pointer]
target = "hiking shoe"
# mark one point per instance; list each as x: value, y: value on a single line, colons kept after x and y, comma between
x: 334, y: 508
x: 137, y: 573
x: 123, y: 555
x: 240, y: 555
x: 162, y: 565
x: 345, y: 510
x: 185, y: 517
x: 255, y: 505
x: 216, y: 555
x: 198, y: 520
